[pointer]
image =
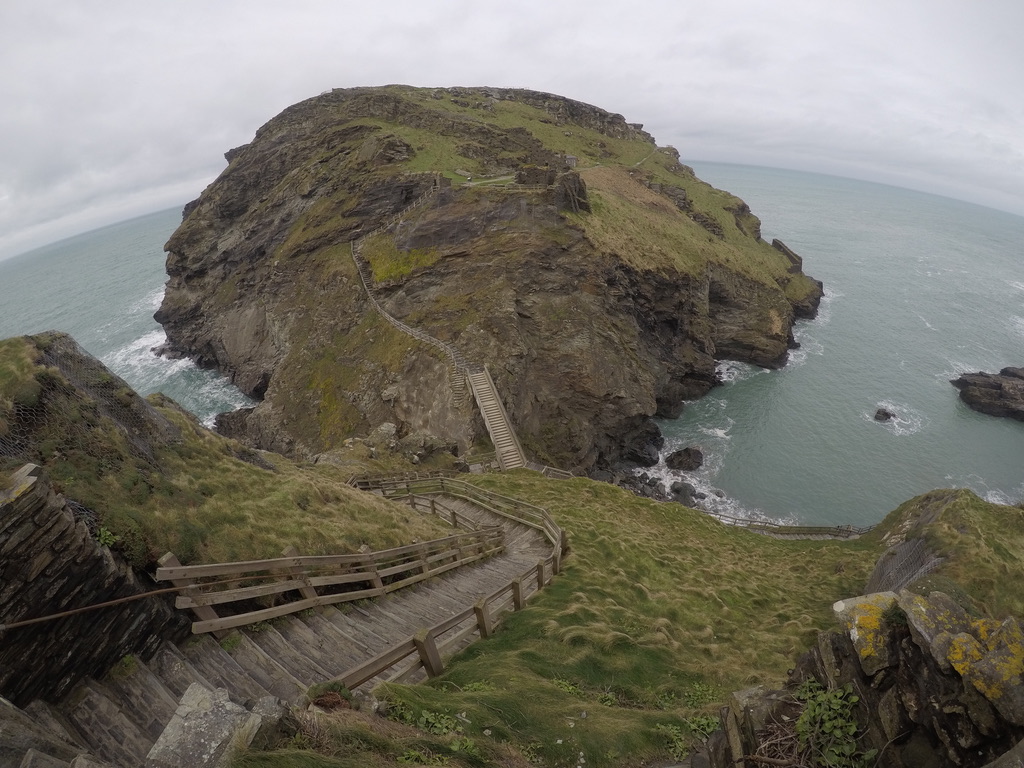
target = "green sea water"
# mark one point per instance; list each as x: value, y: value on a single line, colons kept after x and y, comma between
x: 918, y: 289
x: 103, y: 287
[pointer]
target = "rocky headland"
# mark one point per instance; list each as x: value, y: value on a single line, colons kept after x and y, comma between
x: 594, y: 275
x: 997, y: 394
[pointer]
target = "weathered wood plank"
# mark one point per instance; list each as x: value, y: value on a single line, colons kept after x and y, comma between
x: 373, y: 667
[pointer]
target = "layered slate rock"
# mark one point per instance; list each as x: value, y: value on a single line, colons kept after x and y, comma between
x: 935, y: 686
x: 997, y: 394
x: 204, y: 730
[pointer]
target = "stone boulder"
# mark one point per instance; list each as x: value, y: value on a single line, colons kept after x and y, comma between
x: 999, y: 394
x: 685, y: 459
x: 884, y: 414
x: 421, y: 445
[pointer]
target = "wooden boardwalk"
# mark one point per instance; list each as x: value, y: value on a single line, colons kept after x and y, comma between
x: 120, y: 718
x: 506, y: 445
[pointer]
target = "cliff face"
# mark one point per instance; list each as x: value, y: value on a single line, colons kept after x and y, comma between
x: 598, y: 297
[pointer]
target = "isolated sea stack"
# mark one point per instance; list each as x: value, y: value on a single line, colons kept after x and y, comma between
x: 594, y: 275
x: 997, y: 394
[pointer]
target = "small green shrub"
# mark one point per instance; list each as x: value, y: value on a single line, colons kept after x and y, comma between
x: 571, y: 688
x: 701, y: 726
x: 418, y: 757
x: 827, y: 730
x: 105, y: 537
x: 678, y: 745
x: 437, y: 723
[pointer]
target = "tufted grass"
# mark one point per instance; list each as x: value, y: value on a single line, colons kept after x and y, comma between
x: 660, y: 612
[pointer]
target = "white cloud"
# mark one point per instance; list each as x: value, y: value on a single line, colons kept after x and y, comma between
x: 113, y: 106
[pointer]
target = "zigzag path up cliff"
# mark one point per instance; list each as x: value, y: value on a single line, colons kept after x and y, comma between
x: 595, y: 276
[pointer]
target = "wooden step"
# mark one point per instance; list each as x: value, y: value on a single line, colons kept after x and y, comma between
x: 262, y: 668
x: 176, y: 672
x: 305, y: 641
x: 36, y: 759
x: 53, y: 721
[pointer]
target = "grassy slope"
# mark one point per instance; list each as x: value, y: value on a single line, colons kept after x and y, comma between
x: 660, y: 612
x: 983, y: 547
x: 198, y: 499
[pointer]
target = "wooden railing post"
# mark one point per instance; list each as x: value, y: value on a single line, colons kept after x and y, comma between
x: 541, y: 580
x: 483, y: 619
x: 202, y: 612
x: 307, y: 590
x: 518, y: 602
x: 427, y: 648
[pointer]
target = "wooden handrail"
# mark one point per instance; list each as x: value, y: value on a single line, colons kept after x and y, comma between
x: 424, y: 648
x: 505, y: 506
x: 380, y: 572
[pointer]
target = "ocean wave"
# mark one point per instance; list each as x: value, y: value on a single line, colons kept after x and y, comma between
x: 906, y: 421
x: 731, y: 371
x: 148, y: 304
x: 1018, y: 324
x: 136, y: 363
x: 204, y: 393
x: 927, y: 325
x: 977, y: 484
x: 1018, y: 285
x: 708, y: 497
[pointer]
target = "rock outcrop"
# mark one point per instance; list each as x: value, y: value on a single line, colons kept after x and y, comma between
x: 685, y: 459
x: 930, y: 686
x: 997, y: 394
x: 598, y: 295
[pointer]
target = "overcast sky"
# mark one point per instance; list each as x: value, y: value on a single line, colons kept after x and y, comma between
x: 114, y: 108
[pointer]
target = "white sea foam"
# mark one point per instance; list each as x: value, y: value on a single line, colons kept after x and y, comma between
x: 1018, y: 324
x: 1018, y: 285
x: 927, y: 325
x: 906, y: 421
x: 730, y: 371
x: 136, y: 363
x: 708, y: 497
x: 205, y: 393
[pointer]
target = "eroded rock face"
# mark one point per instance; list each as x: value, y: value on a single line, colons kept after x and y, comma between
x: 586, y: 337
x: 999, y: 394
x: 935, y: 687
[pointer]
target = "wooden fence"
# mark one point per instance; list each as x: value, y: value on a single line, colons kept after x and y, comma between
x: 504, y: 506
x: 310, y: 581
x: 770, y: 528
x: 424, y: 650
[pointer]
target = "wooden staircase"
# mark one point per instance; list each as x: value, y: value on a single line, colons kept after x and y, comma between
x: 506, y: 445
x: 124, y: 719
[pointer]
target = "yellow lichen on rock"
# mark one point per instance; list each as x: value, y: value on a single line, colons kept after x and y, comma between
x: 984, y: 628
x: 964, y: 649
x: 863, y: 618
